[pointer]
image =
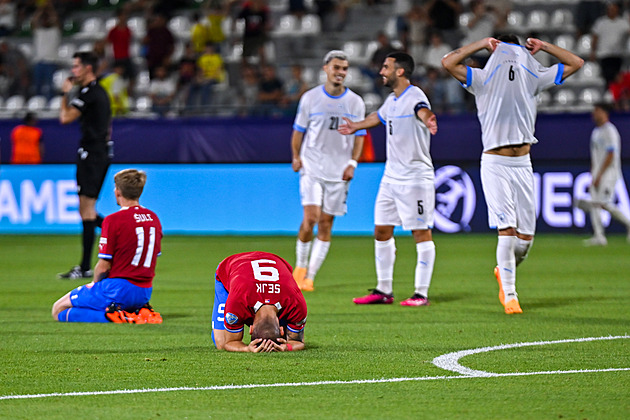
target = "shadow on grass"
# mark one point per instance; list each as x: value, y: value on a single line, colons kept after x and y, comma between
x: 554, y: 302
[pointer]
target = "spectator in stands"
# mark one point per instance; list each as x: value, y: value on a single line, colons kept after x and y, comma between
x: 162, y: 91
x: 248, y: 90
x: 295, y: 88
x: 159, y: 43
x: 444, y: 16
x: 447, y: 91
x: 116, y: 85
x: 15, y: 66
x: 481, y: 25
x: 270, y: 92
x: 378, y: 58
x: 586, y: 13
x: 26, y: 142
x: 257, y: 25
x: 609, y: 33
x: 46, y: 41
x: 620, y: 91
x: 400, y: 9
x: 199, y: 33
x: 186, y: 73
x: 120, y: 37
x: 7, y: 17
x: 210, y: 71
x: 297, y: 8
x: 218, y: 10
x: 104, y: 58
x: 417, y: 22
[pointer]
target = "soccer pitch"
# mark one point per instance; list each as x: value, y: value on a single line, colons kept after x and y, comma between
x: 567, y: 356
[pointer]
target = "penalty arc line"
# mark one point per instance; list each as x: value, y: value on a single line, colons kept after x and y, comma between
x: 448, y: 361
x: 293, y: 384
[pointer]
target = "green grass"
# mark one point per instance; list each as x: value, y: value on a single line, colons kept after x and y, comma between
x: 566, y: 292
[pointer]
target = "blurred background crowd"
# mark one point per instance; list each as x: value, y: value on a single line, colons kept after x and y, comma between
x: 173, y: 58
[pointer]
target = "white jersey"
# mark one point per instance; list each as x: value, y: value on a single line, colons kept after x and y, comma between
x: 408, y: 139
x: 325, y: 153
x: 505, y: 93
x: 605, y: 139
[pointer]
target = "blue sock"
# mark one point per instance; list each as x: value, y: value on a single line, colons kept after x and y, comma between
x: 81, y: 315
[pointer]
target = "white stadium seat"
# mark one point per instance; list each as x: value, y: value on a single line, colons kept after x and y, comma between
x: 590, y: 96
x: 537, y: 20
x: 138, y: 26
x: 565, y: 97
x: 311, y: 25
x: 36, y: 103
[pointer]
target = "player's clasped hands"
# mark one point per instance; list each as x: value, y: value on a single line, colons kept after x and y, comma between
x: 260, y: 345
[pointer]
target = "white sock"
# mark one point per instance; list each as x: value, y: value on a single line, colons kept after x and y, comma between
x: 318, y: 255
x: 521, y: 249
x: 424, y: 267
x: 596, y: 222
x: 618, y: 215
x: 507, y: 265
x: 385, y: 256
x: 302, y: 249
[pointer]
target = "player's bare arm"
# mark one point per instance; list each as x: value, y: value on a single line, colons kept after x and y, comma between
x: 572, y: 62
x: 429, y: 119
x: 296, y: 145
x: 453, y: 62
x: 348, y: 173
x: 101, y: 270
x: 67, y: 113
x: 351, y: 127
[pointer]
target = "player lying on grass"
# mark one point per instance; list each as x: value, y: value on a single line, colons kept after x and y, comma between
x: 257, y: 289
x: 123, y: 277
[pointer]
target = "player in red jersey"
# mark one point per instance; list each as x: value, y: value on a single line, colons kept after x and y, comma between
x: 257, y: 289
x: 123, y: 277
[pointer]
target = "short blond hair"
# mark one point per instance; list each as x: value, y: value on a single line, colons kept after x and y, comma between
x: 130, y: 183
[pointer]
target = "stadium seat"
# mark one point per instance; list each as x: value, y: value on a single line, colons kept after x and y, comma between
x: 565, y: 97
x: 543, y: 98
x: 537, y: 20
x: 55, y: 103
x: 308, y: 75
x: 237, y: 31
x: 58, y: 77
x: 14, y: 103
x: 234, y: 54
x: 110, y: 23
x: 287, y: 26
x: 180, y: 26
x: 91, y: 28
x: 143, y: 104
x: 354, y: 52
x: 86, y: 46
x: 26, y: 48
x: 310, y: 25
x: 138, y: 26
x: 370, y: 48
x: 565, y: 41
x: 65, y: 52
x: 372, y: 101
x: 390, y: 28
x: 584, y: 45
x: 515, y: 20
x: 590, y: 74
x: 562, y: 19
x: 36, y: 103
x: 143, y: 82
x: 464, y: 19
x: 590, y: 96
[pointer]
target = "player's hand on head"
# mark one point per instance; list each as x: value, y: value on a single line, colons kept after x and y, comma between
x: 492, y: 44
x: 255, y: 346
x: 533, y: 45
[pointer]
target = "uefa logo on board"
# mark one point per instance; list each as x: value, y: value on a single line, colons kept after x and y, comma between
x: 455, y: 199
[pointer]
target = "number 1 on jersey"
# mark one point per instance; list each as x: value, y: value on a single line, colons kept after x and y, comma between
x: 140, y: 247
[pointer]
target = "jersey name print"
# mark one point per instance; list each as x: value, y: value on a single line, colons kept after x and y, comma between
x: 131, y: 239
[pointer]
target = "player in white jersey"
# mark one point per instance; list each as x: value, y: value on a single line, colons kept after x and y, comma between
x: 326, y: 160
x: 505, y: 94
x: 406, y: 194
x: 605, y: 172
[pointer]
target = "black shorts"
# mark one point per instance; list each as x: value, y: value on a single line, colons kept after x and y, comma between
x: 91, y: 171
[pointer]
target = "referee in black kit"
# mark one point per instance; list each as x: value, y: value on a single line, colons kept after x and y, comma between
x: 91, y: 106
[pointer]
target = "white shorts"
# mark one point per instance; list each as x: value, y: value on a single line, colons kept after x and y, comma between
x: 330, y: 196
x: 508, y: 185
x: 411, y: 206
x: 605, y: 193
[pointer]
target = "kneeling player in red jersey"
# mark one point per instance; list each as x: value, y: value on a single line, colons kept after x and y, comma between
x: 123, y: 277
x: 257, y: 289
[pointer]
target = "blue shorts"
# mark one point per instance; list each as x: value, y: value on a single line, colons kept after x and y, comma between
x: 218, y: 310
x: 110, y: 290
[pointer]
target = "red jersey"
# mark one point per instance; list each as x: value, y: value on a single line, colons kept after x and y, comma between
x: 120, y: 38
x: 253, y: 279
x: 131, y: 240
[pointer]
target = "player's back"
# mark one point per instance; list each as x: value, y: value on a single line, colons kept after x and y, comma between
x: 131, y: 239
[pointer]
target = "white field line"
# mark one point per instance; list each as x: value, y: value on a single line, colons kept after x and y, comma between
x: 450, y: 361
x: 352, y: 382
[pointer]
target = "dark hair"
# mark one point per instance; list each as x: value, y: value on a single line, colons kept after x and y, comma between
x: 30, y: 118
x: 511, y: 38
x: 87, y: 58
x: 604, y: 106
x: 267, y: 328
x: 403, y: 61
